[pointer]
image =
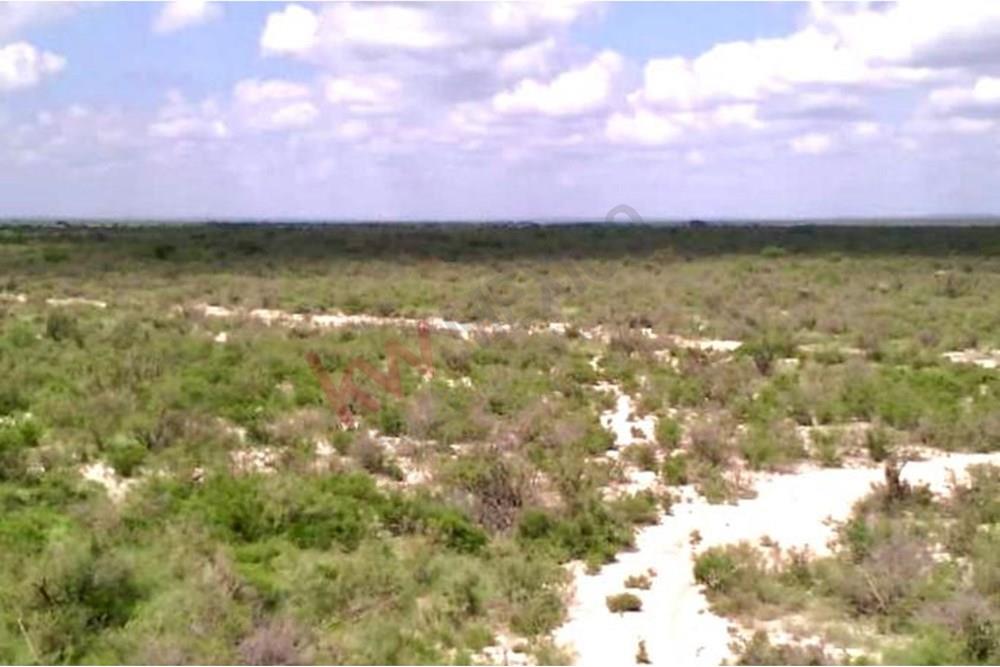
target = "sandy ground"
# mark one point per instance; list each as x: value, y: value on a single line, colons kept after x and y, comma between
x: 13, y: 297
x: 629, y: 429
x: 795, y: 510
x: 264, y: 460
x: 982, y: 358
x: 103, y: 474
x: 465, y: 330
x: 76, y: 301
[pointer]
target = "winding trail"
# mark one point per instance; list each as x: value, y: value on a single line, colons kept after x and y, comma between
x: 794, y: 510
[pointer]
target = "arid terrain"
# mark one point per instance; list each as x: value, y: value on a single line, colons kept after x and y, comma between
x: 589, y: 444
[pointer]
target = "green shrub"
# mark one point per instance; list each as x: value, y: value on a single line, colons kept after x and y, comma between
x: 879, y: 443
x: 639, y: 508
x: 592, y: 533
x: 164, y: 251
x: 126, y: 455
x: 496, y: 483
x: 17, y: 436
x: 641, y: 455
x: 12, y: 400
x: 60, y: 326
x: 771, y: 445
x: 674, y: 470
x: 391, y: 420
x: 766, y: 348
x: 717, y: 569
x: 826, y: 445
x: 758, y: 650
x: 773, y: 252
x: 738, y: 581
x: 54, y: 255
x: 935, y: 646
x: 668, y: 433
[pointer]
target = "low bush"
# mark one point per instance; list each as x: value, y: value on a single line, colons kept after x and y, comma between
x: 827, y: 448
x: 738, y: 581
x: 60, y: 327
x: 758, y: 650
x: 668, y: 433
x: 623, y: 602
x: 593, y: 533
x: 879, y: 443
x: 125, y: 455
x: 768, y: 446
x: 641, y: 455
x: 17, y: 436
x: 675, y: 470
x: 640, y: 581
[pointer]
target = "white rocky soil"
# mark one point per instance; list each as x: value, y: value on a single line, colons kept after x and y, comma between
x: 795, y: 510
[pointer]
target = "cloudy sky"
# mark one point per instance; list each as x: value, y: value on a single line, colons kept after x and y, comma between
x: 385, y: 111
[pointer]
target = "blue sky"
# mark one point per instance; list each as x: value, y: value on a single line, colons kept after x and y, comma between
x: 472, y: 111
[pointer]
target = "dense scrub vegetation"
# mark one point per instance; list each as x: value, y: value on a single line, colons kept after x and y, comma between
x: 338, y: 558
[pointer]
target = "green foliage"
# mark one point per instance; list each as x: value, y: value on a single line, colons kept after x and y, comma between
x: 767, y: 446
x: 17, y: 436
x: 593, y: 534
x: 738, y: 581
x: 879, y: 443
x: 758, y: 650
x: 60, y: 327
x: 390, y: 418
x: 674, y: 471
x: 827, y: 446
x: 306, y: 566
x: 668, y: 433
x: 642, y: 455
x: 766, y: 348
x: 125, y: 455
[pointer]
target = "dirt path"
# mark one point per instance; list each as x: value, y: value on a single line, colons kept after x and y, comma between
x: 795, y: 510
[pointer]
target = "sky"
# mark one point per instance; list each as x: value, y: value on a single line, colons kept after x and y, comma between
x: 193, y: 110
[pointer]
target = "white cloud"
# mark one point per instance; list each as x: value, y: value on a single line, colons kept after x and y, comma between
x: 981, y: 97
x: 694, y: 157
x: 813, y: 143
x: 353, y: 130
x: 735, y: 115
x: 290, y: 116
x: 256, y: 91
x: 16, y: 16
x: 179, y: 14
x: 920, y: 34
x: 377, y: 25
x: 525, y: 18
x: 866, y: 129
x: 363, y: 94
x: 23, y: 66
x: 575, y: 91
x: 294, y: 30
x: 643, y: 127
x: 188, y: 127
x: 648, y: 127
x: 297, y: 30
x: 274, y: 104
x: 527, y: 60
x: 751, y: 71
x: 180, y: 119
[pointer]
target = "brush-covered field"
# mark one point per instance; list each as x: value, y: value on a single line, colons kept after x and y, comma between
x: 176, y: 488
